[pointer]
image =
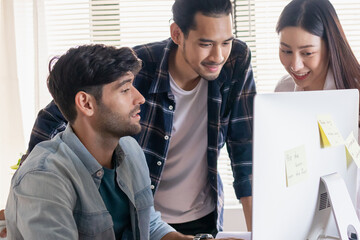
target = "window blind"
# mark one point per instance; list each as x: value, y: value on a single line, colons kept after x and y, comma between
x: 112, y: 22
x: 348, y: 12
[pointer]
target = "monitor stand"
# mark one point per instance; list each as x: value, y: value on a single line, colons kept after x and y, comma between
x: 334, y: 197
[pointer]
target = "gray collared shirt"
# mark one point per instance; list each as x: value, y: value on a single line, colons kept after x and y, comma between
x: 54, y: 194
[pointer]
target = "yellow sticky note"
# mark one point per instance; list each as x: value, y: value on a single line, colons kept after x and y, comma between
x: 329, y: 133
x: 352, y: 149
x: 295, y: 165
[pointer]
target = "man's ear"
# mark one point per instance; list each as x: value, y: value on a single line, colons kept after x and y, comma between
x: 176, y: 33
x: 85, y: 103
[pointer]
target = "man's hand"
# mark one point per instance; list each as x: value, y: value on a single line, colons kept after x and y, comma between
x: 2, y: 217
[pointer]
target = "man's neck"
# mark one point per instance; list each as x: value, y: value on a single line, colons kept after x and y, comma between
x: 184, y: 76
x: 101, y: 148
x: 102, y: 152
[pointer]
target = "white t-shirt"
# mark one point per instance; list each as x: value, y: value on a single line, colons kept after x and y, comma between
x: 183, y: 194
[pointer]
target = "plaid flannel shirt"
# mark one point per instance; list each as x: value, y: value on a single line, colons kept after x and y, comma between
x: 230, y: 117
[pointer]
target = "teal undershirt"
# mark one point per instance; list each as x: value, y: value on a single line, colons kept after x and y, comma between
x: 116, y: 202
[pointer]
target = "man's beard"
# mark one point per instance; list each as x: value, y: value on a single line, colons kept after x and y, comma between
x: 119, y: 126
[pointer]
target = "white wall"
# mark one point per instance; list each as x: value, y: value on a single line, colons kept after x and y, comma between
x: 5, y: 177
x: 234, y: 219
x: 11, y: 132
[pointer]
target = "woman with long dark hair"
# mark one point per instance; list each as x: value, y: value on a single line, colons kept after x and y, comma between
x: 314, y: 50
x: 311, y: 34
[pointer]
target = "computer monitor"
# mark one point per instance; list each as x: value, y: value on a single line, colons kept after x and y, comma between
x: 284, y: 121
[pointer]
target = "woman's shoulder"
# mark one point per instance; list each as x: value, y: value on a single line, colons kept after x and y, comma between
x: 285, y: 84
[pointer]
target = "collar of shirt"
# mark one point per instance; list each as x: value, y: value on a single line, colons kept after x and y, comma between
x: 74, y: 143
x: 92, y: 165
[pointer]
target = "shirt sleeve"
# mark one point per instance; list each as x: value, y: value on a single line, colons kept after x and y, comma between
x: 158, y: 228
x: 48, y: 123
x: 240, y: 130
x: 39, y: 207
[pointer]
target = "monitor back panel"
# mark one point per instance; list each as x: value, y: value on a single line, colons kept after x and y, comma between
x: 284, y: 121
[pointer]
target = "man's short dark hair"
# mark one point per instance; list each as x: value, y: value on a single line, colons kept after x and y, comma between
x: 184, y: 11
x: 87, y: 68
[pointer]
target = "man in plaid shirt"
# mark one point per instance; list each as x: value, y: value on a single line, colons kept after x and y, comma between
x: 199, y: 91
